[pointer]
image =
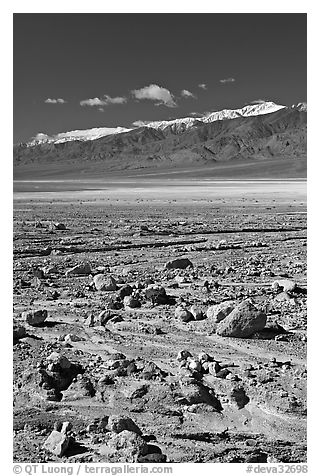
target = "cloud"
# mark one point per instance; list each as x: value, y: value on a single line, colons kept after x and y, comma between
x: 259, y: 101
x: 105, y: 101
x: 202, y: 86
x: 227, y: 80
x: 55, y: 101
x: 196, y: 114
x: 187, y: 94
x: 140, y: 123
x: 153, y: 92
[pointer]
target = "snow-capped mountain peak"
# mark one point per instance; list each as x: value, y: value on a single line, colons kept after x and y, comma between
x: 175, y: 126
x: 81, y: 135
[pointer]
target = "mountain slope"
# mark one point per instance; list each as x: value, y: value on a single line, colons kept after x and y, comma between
x: 281, y: 134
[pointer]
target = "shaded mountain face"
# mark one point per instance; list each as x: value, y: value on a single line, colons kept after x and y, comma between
x: 279, y: 134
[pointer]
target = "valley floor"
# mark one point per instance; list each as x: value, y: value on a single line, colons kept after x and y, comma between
x: 241, y: 236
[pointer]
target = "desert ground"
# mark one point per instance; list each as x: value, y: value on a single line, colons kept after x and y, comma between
x: 130, y: 300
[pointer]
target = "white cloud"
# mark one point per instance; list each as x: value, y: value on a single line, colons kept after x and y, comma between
x: 187, y: 94
x: 55, y: 101
x: 105, y: 101
x: 227, y: 80
x: 202, y: 86
x: 259, y: 101
x: 196, y: 114
x: 153, y: 92
x: 140, y: 123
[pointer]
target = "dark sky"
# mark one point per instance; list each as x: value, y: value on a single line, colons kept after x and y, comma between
x: 76, y: 57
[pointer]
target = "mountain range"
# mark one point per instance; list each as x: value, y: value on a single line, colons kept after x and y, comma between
x: 256, y: 132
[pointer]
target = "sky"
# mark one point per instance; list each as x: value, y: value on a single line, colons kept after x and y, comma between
x: 79, y: 71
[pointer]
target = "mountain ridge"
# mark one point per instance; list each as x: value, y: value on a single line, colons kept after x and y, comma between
x: 280, y: 135
x: 176, y: 126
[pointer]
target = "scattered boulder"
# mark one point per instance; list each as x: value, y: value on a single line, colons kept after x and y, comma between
x: 135, y: 390
x: 57, y: 443
x: 80, y: 269
x: 183, y: 314
x: 19, y: 331
x: 126, y: 290
x: 152, y: 458
x: 183, y: 355
x: 286, y: 285
x: 120, y: 423
x: 180, y: 263
x: 156, y: 294
x: 218, y: 312
x: 104, y: 283
x: 80, y: 388
x: 242, y: 322
x: 129, y: 445
x: 196, y: 392
x: 35, y: 317
x: 59, y: 226
x: 131, y: 302
x: 104, y: 317
x: 197, y: 313
x: 58, y: 361
x: 69, y: 338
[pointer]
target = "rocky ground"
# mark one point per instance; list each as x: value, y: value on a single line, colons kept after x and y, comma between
x: 123, y: 350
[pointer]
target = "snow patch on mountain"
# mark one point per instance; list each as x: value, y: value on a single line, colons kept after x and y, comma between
x: 176, y: 126
x: 81, y: 135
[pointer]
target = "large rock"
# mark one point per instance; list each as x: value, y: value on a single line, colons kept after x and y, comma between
x: 57, y: 443
x: 180, y: 263
x: 80, y: 269
x: 119, y: 423
x: 195, y: 392
x: 79, y: 389
x: 36, y: 317
x: 242, y: 322
x: 127, y: 445
x: 56, y: 360
x: 105, y: 283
